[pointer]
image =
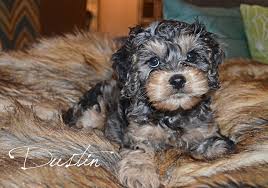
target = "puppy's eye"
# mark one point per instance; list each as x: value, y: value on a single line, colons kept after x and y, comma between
x: 153, y: 62
x: 191, y: 56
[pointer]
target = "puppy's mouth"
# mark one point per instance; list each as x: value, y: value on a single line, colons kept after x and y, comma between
x: 171, y: 90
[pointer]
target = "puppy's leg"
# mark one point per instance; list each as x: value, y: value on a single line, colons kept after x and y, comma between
x: 114, y: 129
x: 89, y: 112
x: 137, y: 169
x: 205, y: 142
x: 200, y: 136
x: 116, y: 121
x: 213, y: 147
x: 99, y: 108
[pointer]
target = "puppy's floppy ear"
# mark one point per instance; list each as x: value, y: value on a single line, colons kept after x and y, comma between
x: 132, y: 83
x: 122, y: 58
x: 121, y: 64
x: 217, y: 57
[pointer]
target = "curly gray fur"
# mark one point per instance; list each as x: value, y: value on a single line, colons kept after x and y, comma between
x: 147, y: 108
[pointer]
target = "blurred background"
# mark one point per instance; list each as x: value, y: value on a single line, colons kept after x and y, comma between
x: 242, y: 25
x: 22, y: 21
x: 107, y: 16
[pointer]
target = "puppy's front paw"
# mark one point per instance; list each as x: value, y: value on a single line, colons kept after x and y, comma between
x: 214, y: 147
x: 92, y: 118
x: 89, y: 112
x: 138, y: 170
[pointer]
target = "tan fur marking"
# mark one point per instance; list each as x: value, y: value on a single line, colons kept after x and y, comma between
x: 157, y: 47
x: 151, y: 133
x: 138, y: 169
x: 164, y: 97
x: 91, y: 119
x: 187, y: 41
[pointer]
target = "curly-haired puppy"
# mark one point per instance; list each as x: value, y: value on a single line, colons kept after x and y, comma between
x: 160, y: 99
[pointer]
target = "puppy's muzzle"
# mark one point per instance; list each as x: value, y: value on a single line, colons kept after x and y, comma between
x: 177, y: 81
x: 170, y: 90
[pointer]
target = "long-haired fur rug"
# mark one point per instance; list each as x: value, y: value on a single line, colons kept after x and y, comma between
x: 36, y: 85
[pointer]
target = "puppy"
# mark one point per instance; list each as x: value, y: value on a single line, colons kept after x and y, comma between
x: 165, y: 74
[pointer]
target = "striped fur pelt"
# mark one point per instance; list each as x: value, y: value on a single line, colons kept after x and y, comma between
x: 37, y: 84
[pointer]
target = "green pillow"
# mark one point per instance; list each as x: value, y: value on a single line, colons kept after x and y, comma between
x: 256, y: 25
x: 226, y: 22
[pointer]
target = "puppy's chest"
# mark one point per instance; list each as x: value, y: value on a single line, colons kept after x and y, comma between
x: 138, y: 112
x: 158, y: 130
x: 141, y: 113
x: 143, y: 128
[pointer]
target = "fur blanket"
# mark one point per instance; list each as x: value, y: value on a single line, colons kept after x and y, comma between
x: 36, y: 85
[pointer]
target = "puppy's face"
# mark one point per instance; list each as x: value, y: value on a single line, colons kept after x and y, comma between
x: 171, y: 63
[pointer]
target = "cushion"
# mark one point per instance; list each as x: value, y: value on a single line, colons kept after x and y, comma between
x: 256, y: 25
x: 227, y: 3
x: 226, y: 22
x: 19, y: 23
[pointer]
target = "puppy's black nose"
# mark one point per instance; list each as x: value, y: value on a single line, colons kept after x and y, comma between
x: 177, y: 81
